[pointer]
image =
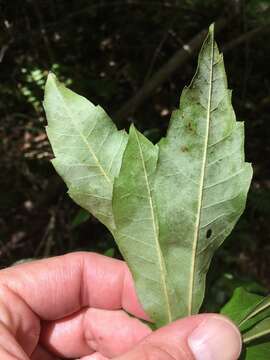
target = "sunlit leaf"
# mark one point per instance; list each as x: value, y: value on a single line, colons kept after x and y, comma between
x: 175, y: 206
x: 169, y: 206
x: 87, y: 148
x: 202, y: 179
x: 137, y: 226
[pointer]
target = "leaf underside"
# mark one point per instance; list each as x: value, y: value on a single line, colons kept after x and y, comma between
x: 137, y: 233
x: 170, y: 205
x: 202, y: 179
x: 185, y: 198
x: 87, y: 147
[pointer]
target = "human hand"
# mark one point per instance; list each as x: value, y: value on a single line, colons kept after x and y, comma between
x: 70, y: 307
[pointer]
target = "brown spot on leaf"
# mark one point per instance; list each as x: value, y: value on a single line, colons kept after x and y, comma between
x: 184, y: 148
x: 190, y: 127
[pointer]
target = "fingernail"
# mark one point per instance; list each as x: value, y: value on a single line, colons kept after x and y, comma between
x: 215, y: 338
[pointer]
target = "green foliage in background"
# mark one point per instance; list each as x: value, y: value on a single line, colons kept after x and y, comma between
x: 251, y: 312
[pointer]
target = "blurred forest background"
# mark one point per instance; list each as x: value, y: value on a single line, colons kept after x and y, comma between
x: 133, y: 57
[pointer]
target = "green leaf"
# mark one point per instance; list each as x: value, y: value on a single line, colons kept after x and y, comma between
x: 240, y: 305
x: 259, y: 351
x: 246, y: 309
x: 238, y: 309
x: 170, y: 206
x: 88, y: 148
x: 263, y: 307
x: 202, y: 179
x: 81, y: 217
x: 260, y: 330
x: 110, y: 252
x: 137, y: 233
x: 174, y: 206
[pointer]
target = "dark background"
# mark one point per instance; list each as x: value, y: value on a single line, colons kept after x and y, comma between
x: 110, y: 51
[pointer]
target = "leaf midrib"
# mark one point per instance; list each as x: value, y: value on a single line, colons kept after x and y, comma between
x: 100, y: 167
x: 200, y: 200
x: 155, y: 228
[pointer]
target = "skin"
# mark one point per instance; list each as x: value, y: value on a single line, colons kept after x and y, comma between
x: 75, y: 306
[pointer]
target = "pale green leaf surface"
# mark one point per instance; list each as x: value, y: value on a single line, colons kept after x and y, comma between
x: 137, y: 233
x: 202, y: 179
x: 87, y: 147
x: 173, y: 204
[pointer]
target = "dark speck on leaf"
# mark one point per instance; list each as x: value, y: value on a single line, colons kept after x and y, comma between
x: 209, y: 233
x: 190, y: 127
x: 184, y: 148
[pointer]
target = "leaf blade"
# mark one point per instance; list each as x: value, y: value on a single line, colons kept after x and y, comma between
x: 260, y: 330
x: 238, y: 309
x: 246, y: 309
x: 240, y: 305
x: 207, y: 189
x: 87, y: 147
x: 260, y: 351
x: 201, y: 182
x: 138, y: 221
x: 259, y: 308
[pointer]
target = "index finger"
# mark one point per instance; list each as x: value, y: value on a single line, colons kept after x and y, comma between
x: 56, y: 287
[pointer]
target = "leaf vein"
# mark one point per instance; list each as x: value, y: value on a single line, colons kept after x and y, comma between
x: 221, y: 202
x: 108, y: 179
x: 224, y: 180
x: 213, y: 220
x: 155, y: 230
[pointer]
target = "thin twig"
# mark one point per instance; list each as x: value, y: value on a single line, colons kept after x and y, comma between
x: 3, y: 51
x: 47, y: 239
x: 245, y: 38
x: 155, y: 56
x: 158, y: 50
x: 163, y: 74
x: 43, y: 31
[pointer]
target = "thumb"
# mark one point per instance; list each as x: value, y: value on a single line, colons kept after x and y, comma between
x: 200, y: 337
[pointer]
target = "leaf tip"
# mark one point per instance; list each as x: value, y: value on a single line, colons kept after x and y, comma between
x: 51, y: 78
x: 212, y: 29
x: 132, y: 129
